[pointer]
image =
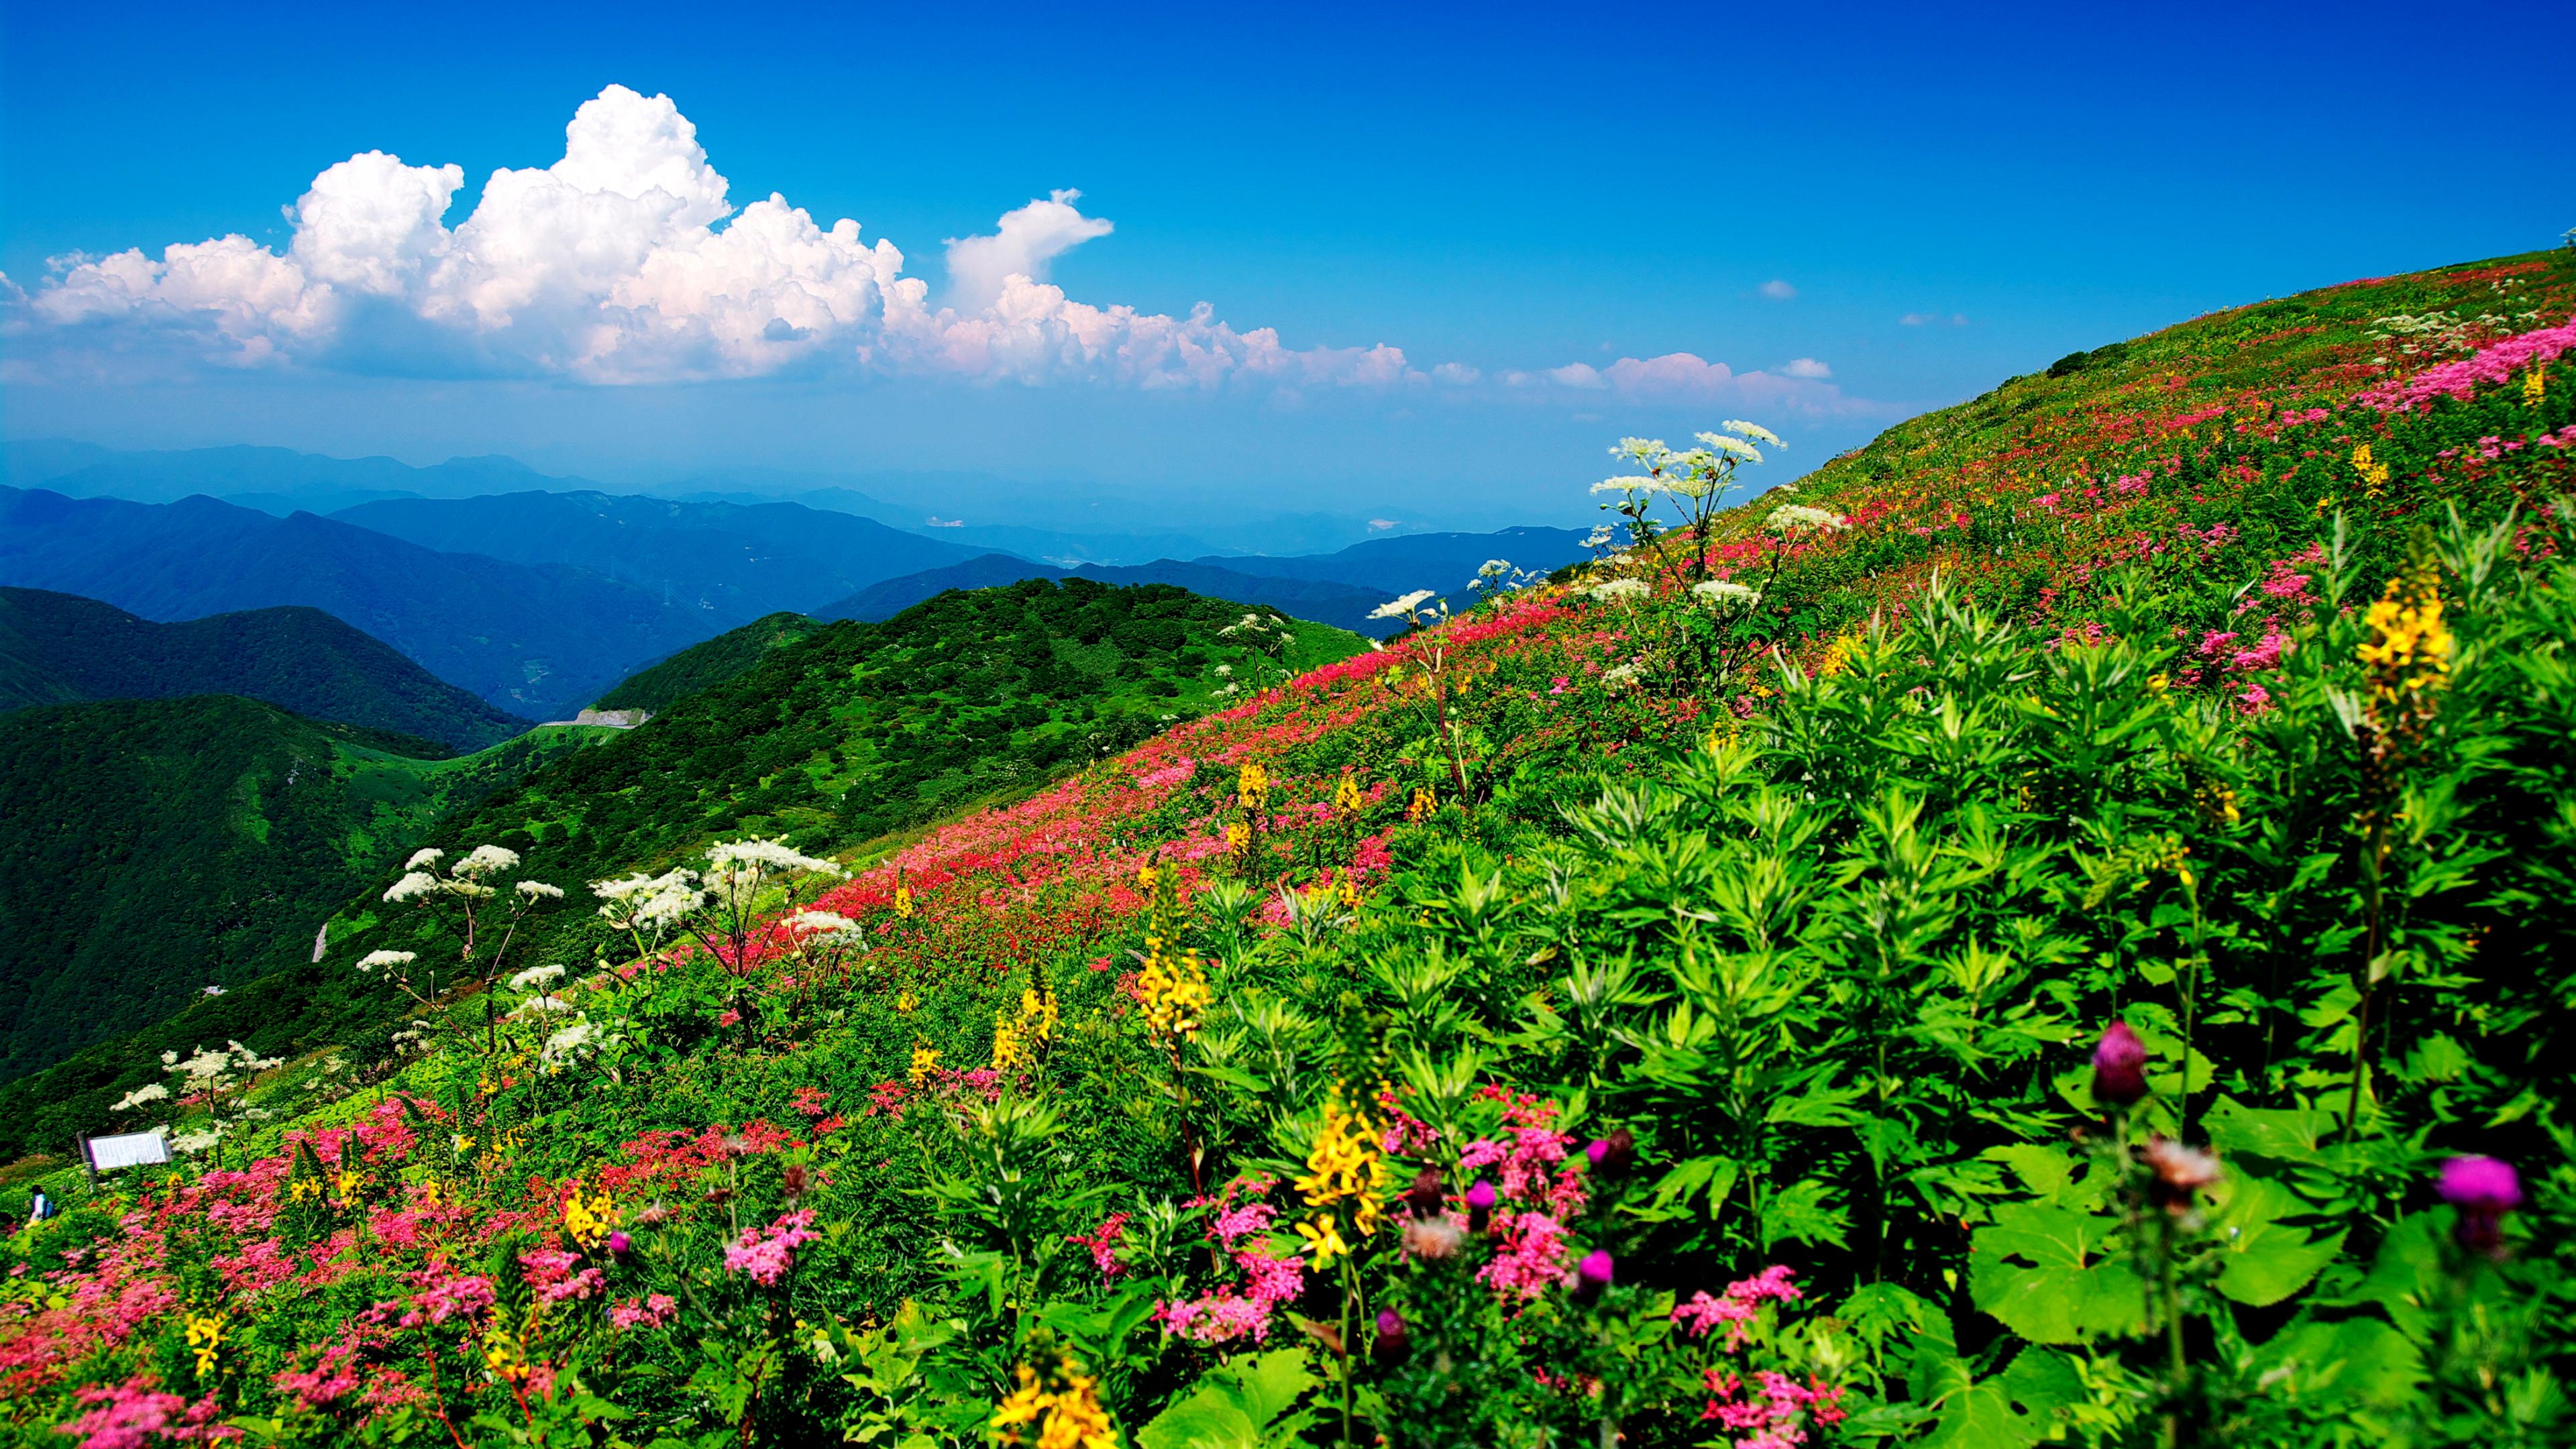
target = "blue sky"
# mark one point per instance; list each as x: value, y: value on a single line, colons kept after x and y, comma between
x: 1512, y: 192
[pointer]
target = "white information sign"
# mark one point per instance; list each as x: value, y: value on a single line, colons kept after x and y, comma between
x: 131, y: 1149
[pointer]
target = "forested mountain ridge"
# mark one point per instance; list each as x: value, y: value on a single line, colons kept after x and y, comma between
x: 849, y: 732
x: 61, y: 648
x: 734, y: 561
x: 704, y: 666
x: 534, y: 640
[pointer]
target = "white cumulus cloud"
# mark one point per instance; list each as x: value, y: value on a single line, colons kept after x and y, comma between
x: 625, y: 262
x: 1777, y: 290
x: 1806, y: 367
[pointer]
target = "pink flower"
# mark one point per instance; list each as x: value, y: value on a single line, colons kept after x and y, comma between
x: 1103, y: 1244
x: 767, y: 1257
x: 650, y: 1312
x: 134, y: 1414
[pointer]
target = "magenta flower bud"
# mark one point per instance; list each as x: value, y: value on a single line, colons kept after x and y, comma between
x: 1592, y: 1275
x: 1612, y: 1155
x: 618, y: 1242
x: 1423, y: 1198
x: 1480, y: 1205
x: 2119, y: 1067
x: 1391, y: 1345
x: 2484, y: 1189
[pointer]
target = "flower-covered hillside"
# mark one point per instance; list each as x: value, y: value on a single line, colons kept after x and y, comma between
x: 1677, y: 1005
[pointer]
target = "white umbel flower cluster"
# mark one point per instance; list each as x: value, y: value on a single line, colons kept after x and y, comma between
x: 536, y: 976
x: 766, y: 855
x: 1403, y: 607
x: 1725, y: 592
x: 485, y: 860
x: 1619, y: 591
x: 1796, y: 518
x: 648, y: 903
x: 537, y: 890
x: 374, y: 959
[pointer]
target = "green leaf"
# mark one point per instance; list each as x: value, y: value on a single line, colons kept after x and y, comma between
x: 2283, y: 1134
x: 1803, y: 1213
x: 2265, y: 1260
x: 1241, y: 1404
x: 2012, y: 1410
x: 2043, y: 1272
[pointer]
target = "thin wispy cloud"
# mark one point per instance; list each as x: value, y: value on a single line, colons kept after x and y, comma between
x: 1932, y: 319
x: 1777, y: 290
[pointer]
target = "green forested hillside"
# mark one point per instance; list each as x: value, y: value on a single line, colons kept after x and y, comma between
x: 156, y: 848
x: 853, y: 731
x: 61, y: 648
x: 860, y: 729
x: 702, y: 666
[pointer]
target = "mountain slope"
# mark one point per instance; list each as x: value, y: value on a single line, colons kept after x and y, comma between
x: 60, y: 648
x: 730, y: 561
x: 1340, y: 606
x: 538, y: 641
x: 704, y: 666
x: 2070, y: 946
x: 155, y: 848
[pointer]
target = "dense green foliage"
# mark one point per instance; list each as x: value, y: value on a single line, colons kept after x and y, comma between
x: 704, y: 666
x: 2065, y: 942
x: 156, y: 848
x: 61, y: 648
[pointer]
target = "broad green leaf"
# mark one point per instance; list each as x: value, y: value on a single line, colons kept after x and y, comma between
x: 2266, y: 1260
x: 2283, y: 1134
x: 2044, y: 1273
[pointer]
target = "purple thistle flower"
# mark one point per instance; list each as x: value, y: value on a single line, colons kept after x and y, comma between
x: 1480, y: 1205
x: 2484, y: 1189
x: 1390, y: 1346
x: 1592, y: 1275
x: 2119, y: 1067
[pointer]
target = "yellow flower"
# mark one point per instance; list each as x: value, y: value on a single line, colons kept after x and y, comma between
x: 1173, y: 991
x: 1346, y: 1165
x: 925, y: 1060
x: 902, y: 902
x: 906, y: 1002
x: 1347, y: 798
x: 589, y: 1220
x: 205, y: 1337
x: 2535, y: 387
x: 1422, y: 804
x: 1038, y: 1015
x: 2408, y: 654
x: 1252, y: 786
x: 1146, y: 875
x: 1238, y: 836
x: 1064, y: 1406
x: 1324, y: 1236
x: 1009, y: 1056
x: 2373, y: 474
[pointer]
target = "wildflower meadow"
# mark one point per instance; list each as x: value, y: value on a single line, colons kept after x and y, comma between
x: 2052, y: 929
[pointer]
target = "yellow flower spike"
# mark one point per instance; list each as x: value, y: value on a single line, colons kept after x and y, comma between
x: 205, y: 1338
x: 906, y: 1001
x: 1238, y: 836
x: 903, y: 903
x: 2535, y: 387
x: 1422, y: 804
x: 925, y: 1060
x: 2373, y: 474
x: 1347, y: 798
x: 1252, y: 786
